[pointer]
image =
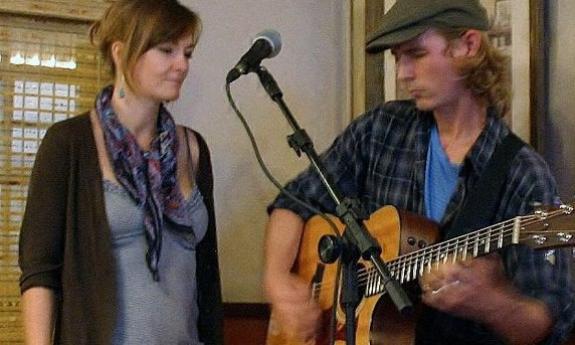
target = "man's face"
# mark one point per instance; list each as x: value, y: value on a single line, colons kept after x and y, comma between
x: 425, y: 69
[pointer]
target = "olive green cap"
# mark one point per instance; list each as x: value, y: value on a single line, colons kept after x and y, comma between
x: 407, y: 19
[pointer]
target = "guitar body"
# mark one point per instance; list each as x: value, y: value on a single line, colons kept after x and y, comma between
x: 378, y: 322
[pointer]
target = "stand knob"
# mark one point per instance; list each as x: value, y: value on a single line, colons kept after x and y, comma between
x: 329, y: 248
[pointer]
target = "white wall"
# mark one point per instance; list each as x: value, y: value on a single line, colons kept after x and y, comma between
x: 311, y: 69
x: 560, y: 122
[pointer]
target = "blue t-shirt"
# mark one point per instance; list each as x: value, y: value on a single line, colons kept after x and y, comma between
x: 440, y: 178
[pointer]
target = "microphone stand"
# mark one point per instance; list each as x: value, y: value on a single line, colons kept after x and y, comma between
x: 356, y: 239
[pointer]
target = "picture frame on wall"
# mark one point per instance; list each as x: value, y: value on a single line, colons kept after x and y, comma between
x: 518, y: 28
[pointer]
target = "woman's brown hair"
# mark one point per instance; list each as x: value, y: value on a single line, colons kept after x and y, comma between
x: 140, y: 25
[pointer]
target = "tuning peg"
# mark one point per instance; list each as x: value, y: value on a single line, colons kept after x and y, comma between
x: 539, y: 210
x: 564, y: 237
x: 567, y: 209
x: 539, y: 239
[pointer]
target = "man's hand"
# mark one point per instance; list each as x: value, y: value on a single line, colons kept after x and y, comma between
x: 478, y: 290
x: 293, y: 306
x: 466, y: 288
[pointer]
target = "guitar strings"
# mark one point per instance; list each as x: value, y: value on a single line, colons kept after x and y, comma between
x: 503, y: 230
x: 364, y: 274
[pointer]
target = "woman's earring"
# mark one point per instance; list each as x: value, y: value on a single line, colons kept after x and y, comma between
x: 122, y: 92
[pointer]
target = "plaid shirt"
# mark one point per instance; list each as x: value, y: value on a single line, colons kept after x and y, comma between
x: 380, y: 160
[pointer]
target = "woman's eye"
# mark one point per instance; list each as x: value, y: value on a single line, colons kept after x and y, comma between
x: 166, y: 50
x: 188, y: 55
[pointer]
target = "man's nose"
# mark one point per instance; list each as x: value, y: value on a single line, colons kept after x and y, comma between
x: 404, y: 69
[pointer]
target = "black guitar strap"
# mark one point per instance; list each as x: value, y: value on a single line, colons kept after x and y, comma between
x: 480, y: 206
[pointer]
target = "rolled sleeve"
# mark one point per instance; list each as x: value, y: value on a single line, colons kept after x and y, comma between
x: 546, y: 276
x: 41, y: 242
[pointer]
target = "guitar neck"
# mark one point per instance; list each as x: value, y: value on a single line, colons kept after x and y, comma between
x: 410, y: 266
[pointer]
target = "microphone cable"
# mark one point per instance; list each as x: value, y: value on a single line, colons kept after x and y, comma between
x: 279, y: 186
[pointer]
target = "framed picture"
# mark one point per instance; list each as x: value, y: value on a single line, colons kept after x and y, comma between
x: 517, y: 28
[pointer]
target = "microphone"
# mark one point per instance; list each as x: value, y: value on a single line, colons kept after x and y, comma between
x: 267, y: 44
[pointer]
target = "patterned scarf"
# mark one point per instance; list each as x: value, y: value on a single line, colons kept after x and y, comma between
x: 149, y: 177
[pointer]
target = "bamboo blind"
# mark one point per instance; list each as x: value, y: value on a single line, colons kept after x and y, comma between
x: 86, y: 10
x: 48, y: 73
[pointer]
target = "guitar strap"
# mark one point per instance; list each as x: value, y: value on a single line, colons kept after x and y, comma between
x: 480, y: 206
x: 477, y: 212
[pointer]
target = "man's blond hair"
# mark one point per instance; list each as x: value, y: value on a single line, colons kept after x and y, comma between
x: 486, y: 74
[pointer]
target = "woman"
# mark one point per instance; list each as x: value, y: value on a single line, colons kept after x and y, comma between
x: 118, y: 242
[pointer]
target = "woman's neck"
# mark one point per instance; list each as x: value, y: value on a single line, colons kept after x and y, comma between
x: 138, y: 115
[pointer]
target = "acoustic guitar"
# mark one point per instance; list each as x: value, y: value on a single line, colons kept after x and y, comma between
x: 409, y: 248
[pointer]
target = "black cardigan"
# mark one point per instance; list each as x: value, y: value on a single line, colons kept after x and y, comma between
x: 65, y: 241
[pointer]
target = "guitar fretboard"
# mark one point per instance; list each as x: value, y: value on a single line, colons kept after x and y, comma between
x: 410, y: 266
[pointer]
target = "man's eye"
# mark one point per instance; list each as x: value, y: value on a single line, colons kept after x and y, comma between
x: 419, y: 53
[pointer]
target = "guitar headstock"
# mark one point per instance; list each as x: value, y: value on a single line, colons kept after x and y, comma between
x: 549, y: 227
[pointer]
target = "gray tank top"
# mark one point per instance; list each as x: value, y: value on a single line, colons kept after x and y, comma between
x: 150, y: 312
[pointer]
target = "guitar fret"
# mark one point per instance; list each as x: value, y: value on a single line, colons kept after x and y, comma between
x: 456, y: 250
x: 369, y: 285
x: 516, y: 228
x: 402, y: 273
x: 414, y: 269
x: 476, y: 248
x: 500, y: 240
x: 424, y: 261
x: 373, y: 278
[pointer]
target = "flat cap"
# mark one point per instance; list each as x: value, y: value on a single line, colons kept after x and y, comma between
x: 407, y: 19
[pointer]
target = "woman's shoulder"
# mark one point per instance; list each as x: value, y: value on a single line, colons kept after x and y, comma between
x: 188, y: 131
x: 75, y: 125
x: 74, y: 129
x: 193, y: 137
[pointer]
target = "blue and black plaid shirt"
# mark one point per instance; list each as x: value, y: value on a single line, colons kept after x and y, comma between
x: 380, y: 159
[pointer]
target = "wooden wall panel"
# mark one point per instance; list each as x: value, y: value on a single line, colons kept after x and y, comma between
x: 84, y: 10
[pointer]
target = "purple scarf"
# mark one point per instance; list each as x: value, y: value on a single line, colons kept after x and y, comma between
x: 149, y: 177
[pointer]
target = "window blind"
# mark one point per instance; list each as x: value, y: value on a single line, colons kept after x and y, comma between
x: 48, y: 73
x: 85, y: 10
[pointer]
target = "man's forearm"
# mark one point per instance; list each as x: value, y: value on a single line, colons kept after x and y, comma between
x: 283, y: 235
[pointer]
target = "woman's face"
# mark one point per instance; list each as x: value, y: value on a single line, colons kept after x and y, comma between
x: 160, y: 71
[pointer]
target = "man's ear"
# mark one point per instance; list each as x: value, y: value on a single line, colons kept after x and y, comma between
x: 116, y: 49
x: 467, y: 45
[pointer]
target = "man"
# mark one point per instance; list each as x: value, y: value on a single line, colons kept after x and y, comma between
x: 426, y: 156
